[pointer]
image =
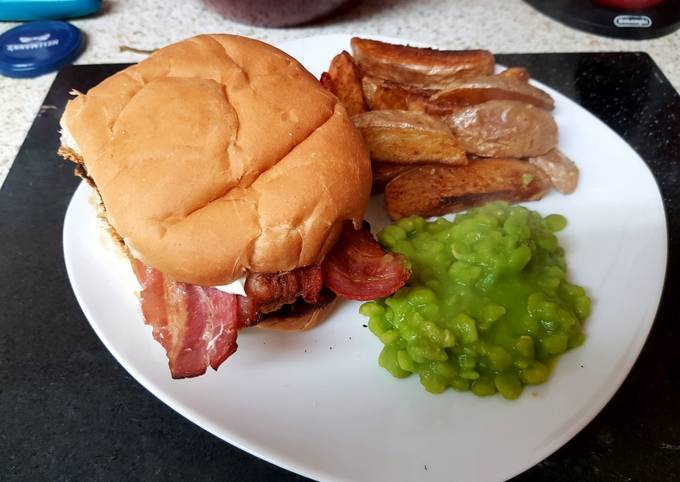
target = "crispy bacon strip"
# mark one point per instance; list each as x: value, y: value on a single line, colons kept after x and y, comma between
x: 359, y: 269
x: 267, y: 292
x: 197, y: 326
x: 270, y: 291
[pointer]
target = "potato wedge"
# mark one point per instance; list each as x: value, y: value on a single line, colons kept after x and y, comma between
x: 562, y: 172
x: 493, y: 87
x: 344, y: 80
x: 420, y: 67
x: 384, y: 172
x: 504, y: 128
x: 327, y: 82
x: 518, y: 73
x: 417, y: 101
x: 437, y: 190
x: 381, y: 94
x: 408, y: 137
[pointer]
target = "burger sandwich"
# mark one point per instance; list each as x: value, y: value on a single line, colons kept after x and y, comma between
x: 236, y: 185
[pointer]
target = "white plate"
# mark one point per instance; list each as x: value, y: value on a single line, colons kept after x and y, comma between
x: 318, y: 404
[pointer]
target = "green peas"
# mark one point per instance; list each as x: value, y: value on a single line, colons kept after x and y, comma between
x: 576, y: 340
x: 489, y: 314
x: 527, y: 178
x: 433, y: 383
x: 421, y: 296
x: 424, y: 351
x: 388, y: 337
x: 525, y: 346
x: 483, y: 387
x: 556, y: 343
x: 388, y: 360
x: 460, y: 384
x: 508, y: 385
x: 411, y: 224
x: 446, y: 369
x: 405, y: 362
x: 391, y: 234
x: 519, y: 258
x: 488, y: 306
x: 555, y: 222
x: 464, y: 273
x: 469, y: 374
x: 547, y: 241
x: 371, y: 309
x: 499, y: 358
x: 378, y: 326
x: 534, y: 374
x: 582, y: 306
x: 465, y: 328
x: 467, y: 361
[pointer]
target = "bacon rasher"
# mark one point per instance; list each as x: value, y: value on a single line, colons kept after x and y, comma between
x: 198, y: 325
x: 358, y: 268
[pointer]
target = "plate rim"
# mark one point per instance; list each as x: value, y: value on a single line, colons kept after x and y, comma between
x: 600, y: 399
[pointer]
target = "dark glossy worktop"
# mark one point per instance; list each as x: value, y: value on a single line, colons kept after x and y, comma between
x: 69, y: 411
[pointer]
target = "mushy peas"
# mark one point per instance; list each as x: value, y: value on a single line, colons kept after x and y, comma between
x: 488, y: 306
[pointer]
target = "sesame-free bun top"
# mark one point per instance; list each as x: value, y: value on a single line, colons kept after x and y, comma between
x: 220, y: 155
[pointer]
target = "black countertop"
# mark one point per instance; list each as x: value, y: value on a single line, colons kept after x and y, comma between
x: 69, y: 411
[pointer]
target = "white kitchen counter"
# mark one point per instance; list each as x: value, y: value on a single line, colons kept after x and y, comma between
x: 501, y: 26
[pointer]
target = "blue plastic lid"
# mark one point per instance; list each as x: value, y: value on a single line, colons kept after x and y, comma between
x: 36, y: 48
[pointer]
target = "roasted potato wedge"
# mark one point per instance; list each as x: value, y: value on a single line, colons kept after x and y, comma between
x: 344, y: 80
x: 562, y: 172
x: 327, y: 82
x: 381, y: 94
x: 437, y: 105
x: 408, y: 137
x: 504, y: 128
x: 493, y: 87
x: 517, y: 73
x: 420, y: 67
x: 436, y: 190
x: 384, y: 172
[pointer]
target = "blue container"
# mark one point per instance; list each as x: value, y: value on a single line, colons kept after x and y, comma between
x: 36, y: 48
x: 20, y: 10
